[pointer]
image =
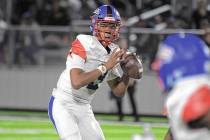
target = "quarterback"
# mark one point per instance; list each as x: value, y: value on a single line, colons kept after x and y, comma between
x: 91, y: 60
x: 183, y: 66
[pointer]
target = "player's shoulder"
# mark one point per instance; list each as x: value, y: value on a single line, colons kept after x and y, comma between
x: 82, y: 41
x: 86, y: 38
x: 88, y: 41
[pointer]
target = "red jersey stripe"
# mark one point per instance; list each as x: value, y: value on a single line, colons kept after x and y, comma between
x: 78, y: 49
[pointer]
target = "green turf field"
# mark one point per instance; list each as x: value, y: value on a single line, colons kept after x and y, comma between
x: 26, y: 127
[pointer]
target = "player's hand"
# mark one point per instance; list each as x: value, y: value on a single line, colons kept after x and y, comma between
x: 127, y: 54
x: 115, y: 58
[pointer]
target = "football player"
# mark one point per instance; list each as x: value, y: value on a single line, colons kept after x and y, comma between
x: 183, y: 66
x: 91, y: 60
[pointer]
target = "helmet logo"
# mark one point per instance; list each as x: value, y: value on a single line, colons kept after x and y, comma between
x: 165, y: 53
x: 97, y: 11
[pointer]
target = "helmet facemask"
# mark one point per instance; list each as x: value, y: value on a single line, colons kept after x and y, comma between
x: 106, y: 31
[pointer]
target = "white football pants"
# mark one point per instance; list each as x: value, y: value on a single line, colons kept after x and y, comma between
x: 74, y: 121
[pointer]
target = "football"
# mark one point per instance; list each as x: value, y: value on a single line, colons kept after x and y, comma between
x: 132, y: 66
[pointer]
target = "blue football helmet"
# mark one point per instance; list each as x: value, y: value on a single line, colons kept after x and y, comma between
x: 181, y: 56
x: 105, y: 24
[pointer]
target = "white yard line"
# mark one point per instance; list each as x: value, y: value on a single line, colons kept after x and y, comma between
x: 22, y: 118
x: 153, y: 124
x: 27, y: 131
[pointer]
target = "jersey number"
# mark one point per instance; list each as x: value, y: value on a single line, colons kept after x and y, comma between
x: 94, y: 85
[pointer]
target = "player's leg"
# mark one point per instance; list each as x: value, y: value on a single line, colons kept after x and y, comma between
x: 64, y: 121
x: 131, y: 94
x: 89, y: 126
x: 90, y: 129
x: 119, y: 104
x: 168, y: 135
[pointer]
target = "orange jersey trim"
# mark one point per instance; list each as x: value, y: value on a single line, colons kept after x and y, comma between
x: 78, y: 49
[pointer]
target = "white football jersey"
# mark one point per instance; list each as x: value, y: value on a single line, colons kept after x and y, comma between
x: 86, y: 53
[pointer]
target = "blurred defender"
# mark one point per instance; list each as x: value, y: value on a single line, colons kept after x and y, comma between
x: 183, y: 65
x: 91, y: 60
